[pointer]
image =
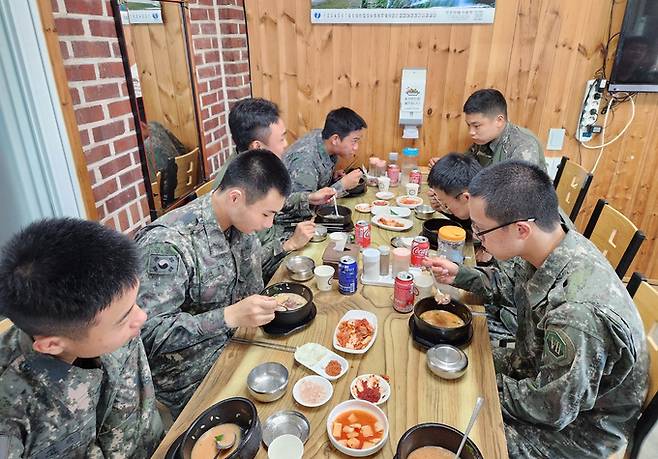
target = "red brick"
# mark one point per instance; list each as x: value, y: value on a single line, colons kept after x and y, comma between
x: 116, y: 50
x: 111, y: 70
x: 195, y: 29
x: 130, y: 177
x: 75, y: 96
x: 202, y: 43
x: 91, y: 49
x: 199, y: 60
x: 229, y: 28
x: 84, y: 137
x: 198, y: 14
x: 64, y: 50
x: 102, y: 28
x: 208, y: 28
x: 209, y: 99
x: 120, y: 108
x: 105, y: 189
x: 233, y: 68
x: 211, y: 56
x: 97, y: 153
x: 214, y: 84
x: 125, y: 144
x: 115, y: 166
x: 82, y: 72
x: 205, y: 2
x: 231, y: 55
x: 109, y: 131
x: 233, y: 81
x: 145, y: 206
x: 206, y: 72
x: 234, y: 42
x: 69, y: 26
x: 100, y: 92
x: 231, y: 13
x: 210, y: 124
x: 101, y: 211
x: 123, y: 220
x: 89, y: 114
x: 54, y: 5
x: 93, y: 7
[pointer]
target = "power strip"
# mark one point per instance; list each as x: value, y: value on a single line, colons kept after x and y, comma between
x: 590, y: 111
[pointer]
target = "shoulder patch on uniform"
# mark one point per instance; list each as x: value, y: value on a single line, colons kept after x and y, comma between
x: 162, y: 264
x: 558, y: 347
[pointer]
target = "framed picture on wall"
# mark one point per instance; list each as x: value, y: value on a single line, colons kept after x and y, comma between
x: 402, y: 11
x: 141, y: 12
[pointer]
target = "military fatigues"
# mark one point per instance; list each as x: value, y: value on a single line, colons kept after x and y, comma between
x: 50, y: 409
x: 162, y: 147
x: 191, y: 270
x: 513, y: 143
x: 574, y: 385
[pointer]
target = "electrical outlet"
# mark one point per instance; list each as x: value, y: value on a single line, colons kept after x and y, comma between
x: 590, y: 109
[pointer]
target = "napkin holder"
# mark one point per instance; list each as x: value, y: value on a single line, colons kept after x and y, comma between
x: 332, y: 257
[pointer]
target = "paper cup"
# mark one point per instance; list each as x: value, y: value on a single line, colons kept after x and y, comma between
x: 323, y: 276
x: 340, y: 239
x: 412, y: 189
x: 383, y: 183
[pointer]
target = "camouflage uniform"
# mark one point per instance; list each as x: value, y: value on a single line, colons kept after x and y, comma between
x: 191, y: 270
x: 513, y: 143
x: 50, y: 409
x: 575, y: 383
x: 161, y: 148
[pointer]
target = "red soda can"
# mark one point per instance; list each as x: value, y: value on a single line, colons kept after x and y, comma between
x: 420, y: 248
x: 362, y: 233
x: 415, y: 177
x: 393, y: 173
x: 403, y: 292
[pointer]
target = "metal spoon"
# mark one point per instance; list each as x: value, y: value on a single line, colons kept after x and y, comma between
x: 221, y: 447
x: 336, y: 207
x: 478, y: 404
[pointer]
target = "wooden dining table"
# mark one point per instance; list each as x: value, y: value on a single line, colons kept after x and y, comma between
x: 417, y: 395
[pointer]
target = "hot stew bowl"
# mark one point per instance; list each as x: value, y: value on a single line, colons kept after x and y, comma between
x: 439, y: 335
x: 435, y: 434
x: 290, y: 318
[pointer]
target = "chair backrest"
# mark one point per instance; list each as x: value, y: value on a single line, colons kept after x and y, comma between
x: 205, y: 188
x: 5, y: 325
x: 571, y: 183
x: 615, y: 235
x: 188, y: 172
x: 157, y: 193
x: 645, y: 298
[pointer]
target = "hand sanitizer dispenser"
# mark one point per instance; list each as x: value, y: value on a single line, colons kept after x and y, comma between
x: 412, y: 99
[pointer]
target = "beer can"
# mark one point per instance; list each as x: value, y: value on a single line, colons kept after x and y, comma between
x: 415, y: 176
x: 362, y: 233
x: 347, y: 274
x: 403, y: 292
x: 420, y: 248
x: 393, y: 173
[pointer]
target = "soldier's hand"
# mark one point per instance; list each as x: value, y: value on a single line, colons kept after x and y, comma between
x: 339, y: 174
x: 433, y: 161
x: 303, y: 233
x: 322, y: 196
x: 352, y: 179
x: 253, y: 311
x: 444, y: 270
x: 435, y: 203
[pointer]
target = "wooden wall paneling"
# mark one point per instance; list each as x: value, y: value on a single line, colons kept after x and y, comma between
x: 382, y: 95
x: 417, y: 56
x: 437, y: 75
x: 288, y: 37
x: 147, y: 72
x: 396, y: 60
x: 500, y: 53
x: 254, y: 40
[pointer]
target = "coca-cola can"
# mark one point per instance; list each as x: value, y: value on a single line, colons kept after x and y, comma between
x: 393, y: 173
x: 362, y: 233
x: 403, y: 292
x: 420, y: 248
x: 415, y: 176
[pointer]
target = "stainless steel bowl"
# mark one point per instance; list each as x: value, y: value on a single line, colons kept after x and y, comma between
x: 424, y: 212
x: 300, y: 268
x: 268, y: 381
x: 446, y: 361
x: 286, y: 422
x: 320, y: 233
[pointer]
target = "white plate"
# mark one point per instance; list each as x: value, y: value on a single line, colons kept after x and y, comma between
x: 418, y: 201
x: 386, y: 195
x: 352, y: 315
x: 384, y: 386
x: 402, y: 212
x: 350, y: 405
x: 406, y: 222
x: 363, y: 207
x: 322, y: 356
x: 318, y: 380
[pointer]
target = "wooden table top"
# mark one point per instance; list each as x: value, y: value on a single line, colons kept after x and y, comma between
x: 417, y: 395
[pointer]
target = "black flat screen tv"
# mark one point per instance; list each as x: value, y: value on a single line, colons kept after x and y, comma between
x: 635, y: 67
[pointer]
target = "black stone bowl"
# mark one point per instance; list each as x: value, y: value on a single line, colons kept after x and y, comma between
x: 435, y: 434
x: 287, y: 319
x: 431, y: 229
x: 236, y: 410
x: 440, y: 335
x: 359, y: 189
x: 326, y: 215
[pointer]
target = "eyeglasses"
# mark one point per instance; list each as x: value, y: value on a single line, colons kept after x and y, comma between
x: 477, y: 232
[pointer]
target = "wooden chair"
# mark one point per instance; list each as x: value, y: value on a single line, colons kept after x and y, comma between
x: 157, y: 193
x: 645, y: 298
x: 615, y: 235
x: 187, y: 176
x: 5, y: 325
x: 205, y: 188
x: 571, y: 184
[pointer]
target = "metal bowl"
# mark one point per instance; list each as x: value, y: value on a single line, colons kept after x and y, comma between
x: 300, y: 267
x: 434, y: 434
x: 320, y: 233
x: 446, y: 361
x: 424, y: 212
x: 286, y: 422
x: 268, y: 381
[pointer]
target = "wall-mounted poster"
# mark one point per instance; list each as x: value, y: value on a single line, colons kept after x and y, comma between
x: 402, y: 11
x: 141, y: 12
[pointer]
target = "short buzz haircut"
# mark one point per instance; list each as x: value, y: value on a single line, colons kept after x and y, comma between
x: 58, y: 274
x: 257, y: 173
x: 342, y: 121
x: 250, y: 119
x: 453, y: 173
x: 517, y: 190
x: 489, y: 102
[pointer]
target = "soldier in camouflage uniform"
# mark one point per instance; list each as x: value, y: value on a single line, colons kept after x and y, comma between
x: 312, y: 160
x: 495, y: 138
x: 574, y: 384
x: 202, y: 273
x: 256, y: 123
x: 74, y: 378
x: 162, y: 147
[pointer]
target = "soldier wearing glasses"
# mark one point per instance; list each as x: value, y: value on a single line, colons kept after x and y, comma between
x: 574, y: 384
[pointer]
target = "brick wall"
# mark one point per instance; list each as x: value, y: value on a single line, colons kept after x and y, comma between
x: 94, y: 68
